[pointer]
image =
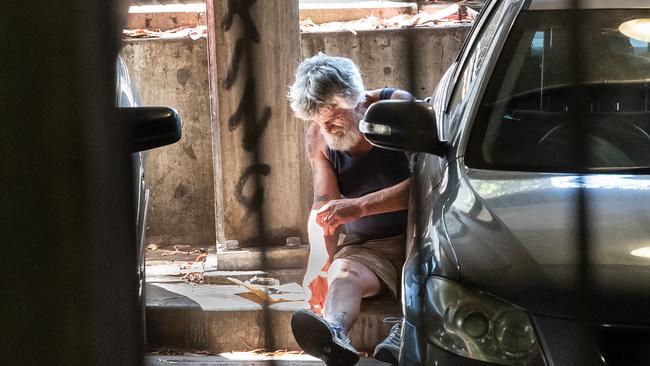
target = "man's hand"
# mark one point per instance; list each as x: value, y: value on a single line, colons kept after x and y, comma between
x: 338, y: 212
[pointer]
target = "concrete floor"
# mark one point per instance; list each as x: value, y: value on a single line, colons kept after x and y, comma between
x: 227, y: 317
x: 242, y: 359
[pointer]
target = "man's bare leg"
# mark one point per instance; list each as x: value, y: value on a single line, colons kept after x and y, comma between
x: 325, y: 338
x: 349, y: 282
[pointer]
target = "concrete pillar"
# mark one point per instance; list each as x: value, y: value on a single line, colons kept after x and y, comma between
x: 254, y: 48
x: 174, y: 73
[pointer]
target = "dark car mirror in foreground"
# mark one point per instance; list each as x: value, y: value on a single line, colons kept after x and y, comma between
x: 151, y: 126
x: 402, y: 125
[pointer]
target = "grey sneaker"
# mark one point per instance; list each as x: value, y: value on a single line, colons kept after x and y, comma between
x: 388, y: 350
x: 320, y: 339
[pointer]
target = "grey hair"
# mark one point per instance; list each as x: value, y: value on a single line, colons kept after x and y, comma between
x: 325, y: 81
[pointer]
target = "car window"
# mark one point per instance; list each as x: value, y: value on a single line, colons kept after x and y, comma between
x: 473, y: 64
x: 524, y: 119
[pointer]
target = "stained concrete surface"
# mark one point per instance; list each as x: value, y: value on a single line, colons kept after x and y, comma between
x: 180, y: 176
x: 224, y: 318
x: 284, y: 264
x: 220, y: 318
x: 382, y: 56
x: 243, y: 259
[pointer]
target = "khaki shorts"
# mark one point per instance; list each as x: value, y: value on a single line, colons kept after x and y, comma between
x: 384, y: 257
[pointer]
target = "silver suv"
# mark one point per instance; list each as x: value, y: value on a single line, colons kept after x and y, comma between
x: 529, y: 228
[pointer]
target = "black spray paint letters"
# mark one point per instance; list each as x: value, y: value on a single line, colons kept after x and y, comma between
x: 254, y: 202
x: 253, y: 128
x: 245, y: 113
x: 243, y: 9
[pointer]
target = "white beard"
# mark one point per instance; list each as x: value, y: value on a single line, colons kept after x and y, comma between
x: 343, y: 141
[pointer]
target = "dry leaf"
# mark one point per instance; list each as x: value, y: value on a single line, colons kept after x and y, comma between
x: 202, y: 257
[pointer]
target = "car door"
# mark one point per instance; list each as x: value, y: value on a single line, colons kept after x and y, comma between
x: 434, y: 181
x: 435, y: 178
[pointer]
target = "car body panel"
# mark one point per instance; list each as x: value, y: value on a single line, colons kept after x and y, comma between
x: 587, y: 4
x: 514, y: 234
x: 127, y: 96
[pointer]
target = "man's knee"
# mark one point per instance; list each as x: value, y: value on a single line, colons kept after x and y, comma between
x: 350, y: 270
x: 347, y: 273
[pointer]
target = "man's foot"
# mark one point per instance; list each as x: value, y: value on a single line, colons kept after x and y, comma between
x: 318, y: 338
x: 388, y: 350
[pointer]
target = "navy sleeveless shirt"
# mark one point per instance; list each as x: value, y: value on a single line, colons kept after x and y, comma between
x: 362, y: 174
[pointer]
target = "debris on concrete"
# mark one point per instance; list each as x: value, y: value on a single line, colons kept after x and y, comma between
x: 190, y: 270
x: 221, y: 277
x: 272, y: 294
x: 193, y: 277
x: 185, y: 249
x: 231, y: 244
x: 186, y: 31
x: 265, y: 293
x: 152, y: 247
x: 265, y: 352
x: 264, y: 281
x: 177, y: 352
x: 290, y: 288
x: 203, y: 256
x: 454, y: 14
x: 285, y: 264
x: 293, y: 242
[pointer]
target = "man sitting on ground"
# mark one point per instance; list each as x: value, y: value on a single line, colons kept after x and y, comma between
x: 358, y: 219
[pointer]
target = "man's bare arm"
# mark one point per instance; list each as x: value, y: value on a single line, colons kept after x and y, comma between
x: 373, y: 95
x: 338, y: 212
x: 394, y: 198
x: 325, y: 189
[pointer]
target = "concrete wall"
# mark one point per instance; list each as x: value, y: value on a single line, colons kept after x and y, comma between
x: 382, y: 56
x: 175, y: 73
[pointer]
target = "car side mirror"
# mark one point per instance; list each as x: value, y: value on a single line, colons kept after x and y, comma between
x: 403, y: 125
x: 151, y: 127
